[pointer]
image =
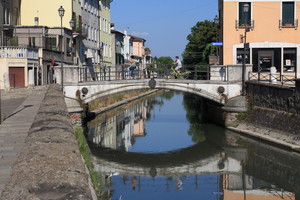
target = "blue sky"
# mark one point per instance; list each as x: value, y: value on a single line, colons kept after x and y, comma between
x: 165, y: 24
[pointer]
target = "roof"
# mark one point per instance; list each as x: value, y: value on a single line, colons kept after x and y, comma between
x: 135, y: 38
x: 114, y: 31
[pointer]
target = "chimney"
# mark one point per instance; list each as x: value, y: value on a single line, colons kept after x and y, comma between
x: 36, y: 21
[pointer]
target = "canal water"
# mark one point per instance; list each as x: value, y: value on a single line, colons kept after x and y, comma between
x: 161, y: 147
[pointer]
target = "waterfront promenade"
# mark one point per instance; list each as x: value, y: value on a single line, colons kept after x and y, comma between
x: 19, y: 107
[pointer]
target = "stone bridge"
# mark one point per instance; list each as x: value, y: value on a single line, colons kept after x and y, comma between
x: 214, y: 90
x: 201, y: 158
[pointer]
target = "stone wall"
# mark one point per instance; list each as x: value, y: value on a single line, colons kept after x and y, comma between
x: 229, y: 72
x: 50, y: 165
x: 274, y: 97
x: 276, y: 111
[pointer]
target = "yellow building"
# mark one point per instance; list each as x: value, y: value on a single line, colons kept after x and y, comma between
x: 45, y: 13
x: 272, y: 33
x: 105, y: 33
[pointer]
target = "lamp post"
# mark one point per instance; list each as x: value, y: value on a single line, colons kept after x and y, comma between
x: 72, y: 25
x: 61, y: 12
x: 246, y: 10
x: 216, y: 21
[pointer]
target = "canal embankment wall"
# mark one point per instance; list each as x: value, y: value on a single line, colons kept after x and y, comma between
x: 50, y: 165
x: 273, y: 113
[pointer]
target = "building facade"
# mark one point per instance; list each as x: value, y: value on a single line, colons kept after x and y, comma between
x: 138, y: 47
x: 271, y: 29
x: 105, y: 33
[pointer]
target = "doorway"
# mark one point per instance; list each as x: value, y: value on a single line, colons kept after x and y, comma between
x: 265, y: 61
x: 16, y: 77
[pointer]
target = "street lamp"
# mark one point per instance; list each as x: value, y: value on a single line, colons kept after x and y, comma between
x: 72, y: 24
x: 246, y: 10
x: 216, y: 21
x: 61, y: 13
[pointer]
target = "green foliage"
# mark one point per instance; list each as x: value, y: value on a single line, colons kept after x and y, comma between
x: 192, y: 104
x: 85, y: 152
x: 242, y: 116
x: 202, y: 35
x: 165, y: 60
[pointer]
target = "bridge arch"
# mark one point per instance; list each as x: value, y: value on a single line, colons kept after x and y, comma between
x: 206, y: 89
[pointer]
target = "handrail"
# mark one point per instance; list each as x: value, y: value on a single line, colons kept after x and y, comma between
x: 123, y: 72
x: 271, y: 78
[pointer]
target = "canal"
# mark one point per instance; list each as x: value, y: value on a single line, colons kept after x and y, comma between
x: 161, y: 147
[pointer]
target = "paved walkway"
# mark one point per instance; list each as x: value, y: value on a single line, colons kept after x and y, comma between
x: 14, y: 129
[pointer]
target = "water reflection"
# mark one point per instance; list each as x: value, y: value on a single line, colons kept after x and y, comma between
x: 211, y: 163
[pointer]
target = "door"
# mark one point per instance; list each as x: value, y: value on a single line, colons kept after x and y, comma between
x: 16, y: 77
x: 265, y: 60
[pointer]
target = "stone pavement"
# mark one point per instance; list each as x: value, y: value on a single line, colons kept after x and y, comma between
x: 14, y: 129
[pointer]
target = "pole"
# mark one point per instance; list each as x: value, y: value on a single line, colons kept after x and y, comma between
x: 0, y: 109
x: 62, y: 56
x: 244, y: 62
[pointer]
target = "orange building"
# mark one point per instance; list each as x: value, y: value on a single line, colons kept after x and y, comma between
x: 271, y: 29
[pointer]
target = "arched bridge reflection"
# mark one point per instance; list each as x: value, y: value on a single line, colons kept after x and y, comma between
x: 202, y: 158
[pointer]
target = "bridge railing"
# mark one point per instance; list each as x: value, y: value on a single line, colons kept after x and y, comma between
x: 163, y: 71
x: 286, y: 79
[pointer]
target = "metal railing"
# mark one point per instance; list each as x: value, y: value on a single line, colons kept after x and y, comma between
x: 241, y: 24
x: 288, y: 23
x: 18, y: 52
x: 276, y: 78
x: 195, y: 72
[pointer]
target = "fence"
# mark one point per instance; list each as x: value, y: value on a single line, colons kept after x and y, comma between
x: 123, y: 72
x: 287, y: 79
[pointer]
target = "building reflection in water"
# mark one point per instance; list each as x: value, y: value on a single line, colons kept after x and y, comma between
x: 119, y: 132
x: 229, y: 178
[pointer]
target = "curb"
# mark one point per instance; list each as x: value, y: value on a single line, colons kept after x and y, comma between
x: 268, y: 139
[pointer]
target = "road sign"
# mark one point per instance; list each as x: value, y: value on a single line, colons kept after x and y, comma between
x: 217, y: 43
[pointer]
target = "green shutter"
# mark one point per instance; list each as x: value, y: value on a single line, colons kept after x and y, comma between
x: 288, y: 13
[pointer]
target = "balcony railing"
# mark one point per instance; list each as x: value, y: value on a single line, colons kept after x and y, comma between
x: 287, y: 23
x: 18, y: 52
x: 241, y: 24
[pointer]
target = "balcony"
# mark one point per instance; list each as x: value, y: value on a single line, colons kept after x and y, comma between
x: 287, y: 23
x: 18, y: 52
x: 241, y: 24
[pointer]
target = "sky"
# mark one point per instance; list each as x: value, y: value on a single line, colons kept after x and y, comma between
x: 164, y: 24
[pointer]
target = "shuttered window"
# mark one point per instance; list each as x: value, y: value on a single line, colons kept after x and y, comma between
x: 288, y: 13
x: 244, y: 17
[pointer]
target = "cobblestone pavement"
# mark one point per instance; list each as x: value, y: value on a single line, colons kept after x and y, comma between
x: 19, y: 107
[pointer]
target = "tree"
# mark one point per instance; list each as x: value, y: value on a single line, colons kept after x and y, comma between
x: 199, y: 46
x: 165, y: 60
x: 147, y: 51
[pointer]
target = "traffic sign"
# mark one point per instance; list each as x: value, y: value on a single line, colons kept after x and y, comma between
x: 217, y: 43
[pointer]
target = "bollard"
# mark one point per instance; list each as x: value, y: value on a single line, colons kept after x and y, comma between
x: 273, y: 74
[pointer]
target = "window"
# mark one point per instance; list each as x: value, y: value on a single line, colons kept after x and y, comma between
x: 288, y: 15
x: 240, y: 56
x: 31, y: 42
x: 244, y: 17
x: 289, y: 58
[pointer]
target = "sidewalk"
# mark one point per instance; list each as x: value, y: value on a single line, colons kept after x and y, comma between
x: 14, y: 129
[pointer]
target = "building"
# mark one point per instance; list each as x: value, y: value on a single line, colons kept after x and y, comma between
x: 271, y: 29
x: 117, y: 52
x: 138, y: 45
x: 89, y: 50
x: 33, y: 48
x: 105, y: 33
x: 10, y: 12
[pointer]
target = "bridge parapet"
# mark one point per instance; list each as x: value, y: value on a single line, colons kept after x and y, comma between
x: 217, y: 91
